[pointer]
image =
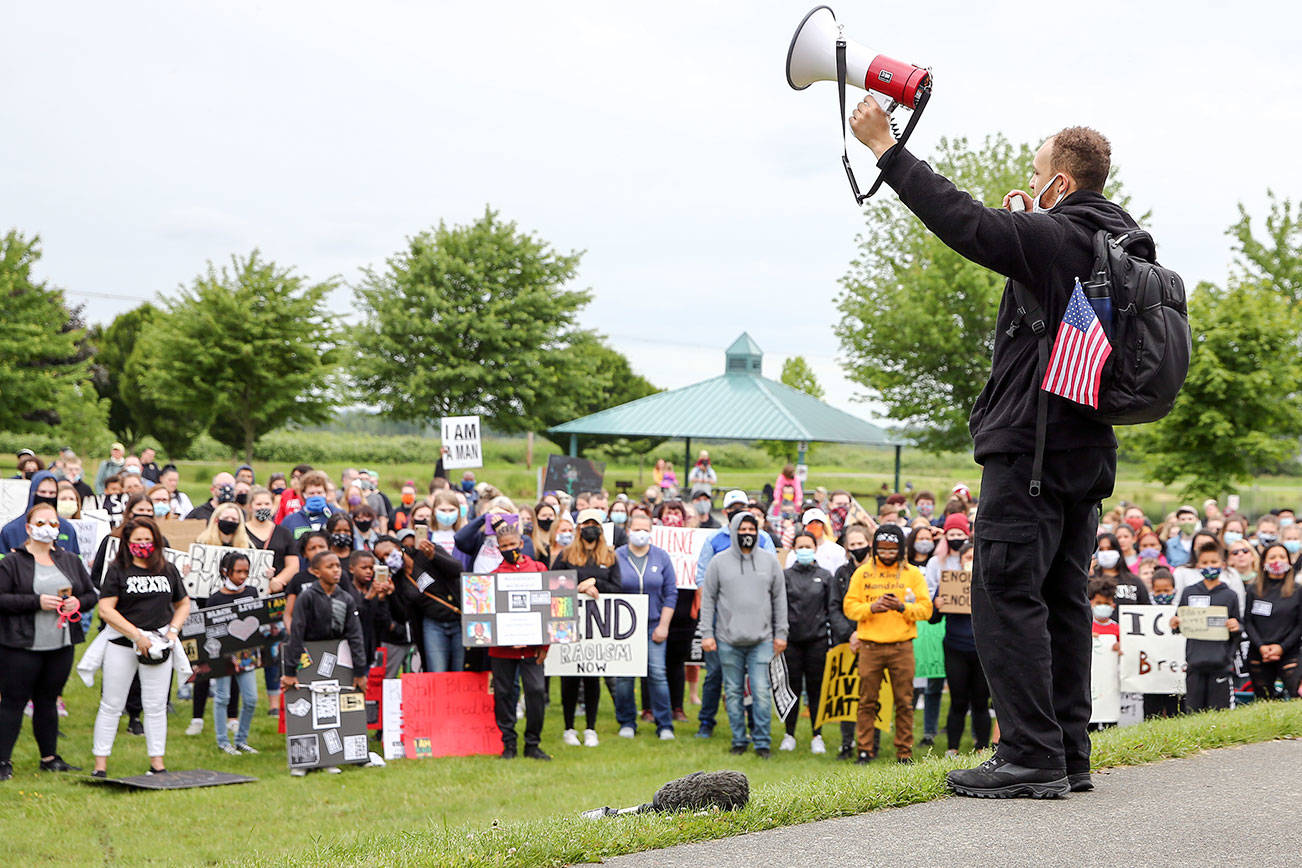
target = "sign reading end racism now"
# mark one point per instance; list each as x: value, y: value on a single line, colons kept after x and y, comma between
x: 613, y: 635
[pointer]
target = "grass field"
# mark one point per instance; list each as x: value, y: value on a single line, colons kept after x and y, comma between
x: 479, y: 810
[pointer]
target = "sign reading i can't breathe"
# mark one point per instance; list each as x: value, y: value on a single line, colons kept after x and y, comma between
x: 461, y: 442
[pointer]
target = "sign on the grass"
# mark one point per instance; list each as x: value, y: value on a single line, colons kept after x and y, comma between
x: 1105, y: 681
x: 684, y: 545
x: 929, y: 651
x: 518, y: 608
x: 954, y: 596
x: 228, y: 638
x: 839, y: 698
x: 461, y: 443
x: 13, y: 498
x: 1204, y: 622
x: 612, y: 638
x: 325, y: 718
x: 1152, y: 657
x: 448, y: 714
x: 784, y: 698
x: 205, y: 578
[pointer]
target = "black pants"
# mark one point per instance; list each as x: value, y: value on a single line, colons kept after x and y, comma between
x: 201, y: 691
x: 570, y: 698
x: 676, y: 652
x: 805, y: 662
x: 1207, y: 688
x: 1029, y: 611
x: 1161, y: 705
x: 1264, y: 676
x: 506, y: 693
x: 968, y: 691
x: 38, y: 676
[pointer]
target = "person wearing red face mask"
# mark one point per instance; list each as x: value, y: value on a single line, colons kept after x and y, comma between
x: 1272, y: 618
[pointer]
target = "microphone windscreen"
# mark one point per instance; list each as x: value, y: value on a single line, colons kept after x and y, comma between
x: 725, y: 790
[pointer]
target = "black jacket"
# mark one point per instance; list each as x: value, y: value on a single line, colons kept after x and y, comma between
x: 314, y: 620
x: 434, y: 588
x: 608, y: 579
x: 809, y: 602
x: 1205, y: 655
x: 1283, y: 626
x: 842, y: 627
x: 19, y: 603
x: 1045, y: 253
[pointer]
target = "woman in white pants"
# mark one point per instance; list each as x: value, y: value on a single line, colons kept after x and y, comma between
x: 144, y: 600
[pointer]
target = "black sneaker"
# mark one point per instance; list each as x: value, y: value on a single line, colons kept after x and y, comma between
x: 864, y: 758
x: 998, y: 778
x: 99, y: 774
x: 1080, y: 782
x: 927, y: 741
x: 536, y: 753
x: 56, y: 764
x: 846, y: 752
x: 6, y: 771
x: 135, y: 727
x: 153, y: 771
x: 737, y: 749
x: 904, y: 760
x: 762, y: 752
x: 508, y: 753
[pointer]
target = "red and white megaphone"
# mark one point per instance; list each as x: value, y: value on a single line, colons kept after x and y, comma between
x: 820, y: 52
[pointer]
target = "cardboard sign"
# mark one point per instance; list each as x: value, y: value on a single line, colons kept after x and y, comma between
x: 181, y: 533
x: 570, y: 475
x: 1152, y: 657
x: 205, y: 578
x: 325, y: 718
x: 929, y: 651
x: 1204, y: 622
x: 13, y: 498
x: 229, y: 638
x: 1105, y: 681
x: 955, y: 593
x: 178, y: 559
x: 784, y: 699
x: 448, y: 714
x: 612, y: 639
x: 684, y: 545
x: 839, y: 698
x: 461, y: 443
x: 391, y: 719
x: 519, y: 608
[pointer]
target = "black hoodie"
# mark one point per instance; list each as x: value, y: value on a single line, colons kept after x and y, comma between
x: 809, y: 602
x: 1045, y: 253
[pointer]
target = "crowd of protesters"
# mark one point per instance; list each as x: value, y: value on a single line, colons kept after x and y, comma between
x: 788, y: 570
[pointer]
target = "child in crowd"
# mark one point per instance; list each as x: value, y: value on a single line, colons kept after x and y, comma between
x: 1103, y: 599
x: 522, y: 663
x: 1162, y: 704
x: 1209, y: 679
x: 1163, y: 584
x: 1145, y: 570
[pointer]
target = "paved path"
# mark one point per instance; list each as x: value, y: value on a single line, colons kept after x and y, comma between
x: 1231, y: 806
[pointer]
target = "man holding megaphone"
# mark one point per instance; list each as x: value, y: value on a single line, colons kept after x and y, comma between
x: 1036, y: 527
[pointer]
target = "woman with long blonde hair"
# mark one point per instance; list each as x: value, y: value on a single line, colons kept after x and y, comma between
x: 226, y: 528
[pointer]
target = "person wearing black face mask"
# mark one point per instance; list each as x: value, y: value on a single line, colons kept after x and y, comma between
x: 222, y: 491
x: 364, y: 533
x: 339, y: 531
x: 858, y: 542
x: 44, y: 489
x: 427, y: 580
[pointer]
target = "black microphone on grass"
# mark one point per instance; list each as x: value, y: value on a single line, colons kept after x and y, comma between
x: 726, y: 791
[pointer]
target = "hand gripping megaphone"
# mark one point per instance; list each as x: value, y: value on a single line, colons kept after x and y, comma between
x: 820, y: 52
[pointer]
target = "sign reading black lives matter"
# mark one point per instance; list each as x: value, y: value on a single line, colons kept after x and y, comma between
x: 325, y: 718
x: 224, y: 639
x: 519, y: 608
x: 613, y: 633
x: 573, y: 475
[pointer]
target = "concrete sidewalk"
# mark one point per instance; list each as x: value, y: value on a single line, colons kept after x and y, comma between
x: 1230, y: 806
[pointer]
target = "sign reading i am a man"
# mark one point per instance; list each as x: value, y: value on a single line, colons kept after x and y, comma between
x: 462, y: 446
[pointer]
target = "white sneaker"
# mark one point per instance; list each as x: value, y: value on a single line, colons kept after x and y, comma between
x: 334, y: 770
x: 298, y: 773
x: 195, y: 727
x: 666, y: 735
x: 246, y: 748
x: 570, y: 737
x: 229, y: 748
x: 590, y: 738
x: 624, y: 732
x: 788, y: 743
x: 817, y: 746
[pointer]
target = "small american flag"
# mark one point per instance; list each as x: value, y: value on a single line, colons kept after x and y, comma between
x: 1079, y: 352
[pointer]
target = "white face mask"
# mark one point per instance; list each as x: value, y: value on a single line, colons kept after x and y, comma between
x: 1036, y: 207
x: 43, y: 534
x: 1102, y: 611
x: 1108, y: 558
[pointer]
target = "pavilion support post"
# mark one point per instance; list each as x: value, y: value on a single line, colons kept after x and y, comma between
x: 687, y: 458
x: 574, y: 446
x: 898, y: 448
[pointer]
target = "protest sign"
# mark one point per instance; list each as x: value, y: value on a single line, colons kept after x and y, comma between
x: 929, y: 651
x: 684, y: 545
x: 181, y: 533
x: 448, y: 714
x: 461, y: 443
x: 572, y: 475
x: 178, y: 559
x: 1152, y: 657
x: 839, y: 697
x: 13, y: 498
x: 205, y: 578
x: 391, y: 719
x: 518, y: 608
x: 696, y: 656
x: 227, y: 638
x: 955, y: 594
x: 1132, y: 709
x: 1204, y: 622
x: 325, y: 718
x: 612, y: 639
x: 89, y: 533
x: 784, y: 699
x: 1105, y: 681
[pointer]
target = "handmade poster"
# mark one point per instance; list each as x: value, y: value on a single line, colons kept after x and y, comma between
x: 564, y: 473
x: 1105, y: 681
x: 1204, y: 622
x: 1132, y: 709
x: 13, y: 498
x: 519, y: 609
x: 461, y: 443
x: 696, y: 657
x: 446, y: 714
x: 325, y: 717
x: 391, y: 719
x: 839, y: 698
x: 180, y: 533
x: 612, y: 637
x: 684, y: 545
x: 784, y: 699
x: 955, y: 593
x: 229, y: 638
x: 929, y: 651
x: 89, y: 533
x: 175, y: 557
x: 204, y: 577
x: 1152, y: 657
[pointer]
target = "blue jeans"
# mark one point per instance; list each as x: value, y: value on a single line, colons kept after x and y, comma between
x: 444, y: 651
x: 931, y: 706
x: 739, y: 662
x: 626, y: 688
x: 711, y: 690
x: 220, y: 688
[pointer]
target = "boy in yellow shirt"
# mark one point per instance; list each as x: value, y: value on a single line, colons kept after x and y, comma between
x: 887, y: 596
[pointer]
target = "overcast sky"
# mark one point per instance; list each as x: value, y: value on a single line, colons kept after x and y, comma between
x: 142, y: 139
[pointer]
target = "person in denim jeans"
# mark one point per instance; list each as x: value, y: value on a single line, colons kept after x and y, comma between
x: 647, y: 569
x: 234, y: 569
x: 745, y: 588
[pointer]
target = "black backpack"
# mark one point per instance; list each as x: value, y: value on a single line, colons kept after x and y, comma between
x: 1141, y: 306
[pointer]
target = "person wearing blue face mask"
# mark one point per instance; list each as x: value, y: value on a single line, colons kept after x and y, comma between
x: 647, y: 569
x: 809, y: 605
x: 316, y: 508
x: 1209, y: 679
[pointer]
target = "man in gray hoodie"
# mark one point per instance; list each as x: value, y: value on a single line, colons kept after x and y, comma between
x: 744, y: 618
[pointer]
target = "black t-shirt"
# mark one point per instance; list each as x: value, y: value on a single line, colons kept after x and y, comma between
x: 145, y: 597
x: 224, y: 598
x: 280, y: 544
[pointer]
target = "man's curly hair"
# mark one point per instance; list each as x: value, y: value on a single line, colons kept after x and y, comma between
x: 1084, y: 154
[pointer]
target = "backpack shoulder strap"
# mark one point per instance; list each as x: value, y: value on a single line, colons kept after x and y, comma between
x: 1031, y: 313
